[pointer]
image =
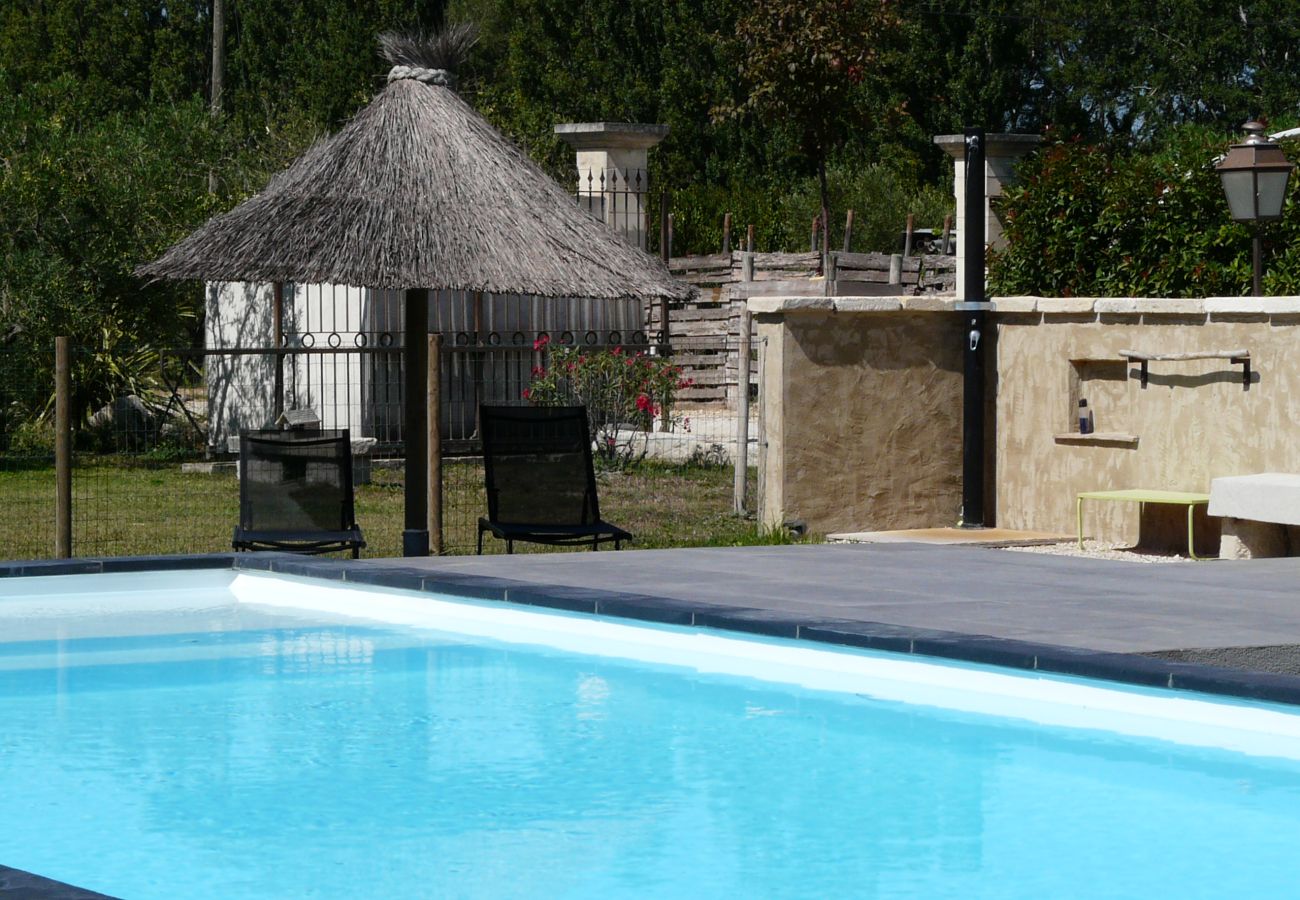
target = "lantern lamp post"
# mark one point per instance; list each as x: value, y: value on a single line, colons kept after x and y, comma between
x: 1254, y: 175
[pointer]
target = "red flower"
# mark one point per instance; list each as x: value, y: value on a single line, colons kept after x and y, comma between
x: 541, y: 342
x: 643, y: 402
x: 538, y: 371
x: 617, y: 351
x: 528, y: 393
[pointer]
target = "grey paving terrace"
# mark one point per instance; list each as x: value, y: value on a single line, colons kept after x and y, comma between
x: 1100, y: 605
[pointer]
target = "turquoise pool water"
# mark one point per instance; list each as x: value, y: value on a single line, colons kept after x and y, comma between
x: 212, y: 748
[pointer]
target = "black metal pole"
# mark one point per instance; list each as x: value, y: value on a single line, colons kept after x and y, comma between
x: 415, y: 537
x: 972, y: 451
x: 1258, y: 261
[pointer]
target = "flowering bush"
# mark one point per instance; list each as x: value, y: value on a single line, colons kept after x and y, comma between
x: 623, y: 392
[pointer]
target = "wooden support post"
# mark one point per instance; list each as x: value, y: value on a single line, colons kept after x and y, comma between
x: 747, y: 267
x: 907, y: 234
x: 63, y: 447
x: 415, y: 428
x: 761, y: 497
x: 814, y: 232
x: 848, y: 232
x: 277, y: 341
x: 896, y: 268
x: 436, y: 546
x: 740, y: 459
x: 831, y: 268
x: 665, y: 250
x: 749, y: 239
x: 726, y: 233
x: 947, y: 235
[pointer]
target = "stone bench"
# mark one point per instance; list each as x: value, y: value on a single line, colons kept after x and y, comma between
x: 1261, y: 515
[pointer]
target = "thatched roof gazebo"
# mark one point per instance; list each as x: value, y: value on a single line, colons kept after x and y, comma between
x: 418, y: 192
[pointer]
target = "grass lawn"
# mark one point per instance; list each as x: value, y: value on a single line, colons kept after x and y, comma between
x: 135, y: 509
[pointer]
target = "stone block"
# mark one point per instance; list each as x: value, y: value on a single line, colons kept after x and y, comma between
x: 791, y: 304
x: 867, y: 304
x: 1267, y: 497
x: 1015, y: 304
x: 1244, y: 539
x: 930, y: 303
x: 1068, y: 306
x: 1229, y: 306
x: 1124, y: 306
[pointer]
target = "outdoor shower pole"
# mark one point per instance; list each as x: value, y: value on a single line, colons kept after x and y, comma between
x: 972, y: 451
x: 415, y: 343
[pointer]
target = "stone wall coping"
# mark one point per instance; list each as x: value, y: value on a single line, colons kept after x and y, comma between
x: 868, y: 304
x: 1147, y: 307
x: 1144, y: 305
x: 610, y: 135
x: 790, y: 304
x: 930, y: 303
x: 1247, y: 305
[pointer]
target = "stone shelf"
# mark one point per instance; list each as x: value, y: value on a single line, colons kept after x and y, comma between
x: 1097, y: 437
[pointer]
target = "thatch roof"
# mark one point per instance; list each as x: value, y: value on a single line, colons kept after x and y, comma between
x: 418, y: 191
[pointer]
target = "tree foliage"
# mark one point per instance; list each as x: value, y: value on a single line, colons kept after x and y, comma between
x: 105, y: 143
x: 813, y: 64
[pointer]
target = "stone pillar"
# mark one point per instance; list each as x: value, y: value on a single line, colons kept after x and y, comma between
x: 1001, y: 151
x: 612, y: 177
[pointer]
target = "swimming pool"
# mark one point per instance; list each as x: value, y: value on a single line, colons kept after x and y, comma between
x: 234, y: 734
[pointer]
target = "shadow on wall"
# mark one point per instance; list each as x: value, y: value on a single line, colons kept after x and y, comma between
x: 240, y: 388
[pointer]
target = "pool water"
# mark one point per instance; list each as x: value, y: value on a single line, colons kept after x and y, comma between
x: 278, y: 753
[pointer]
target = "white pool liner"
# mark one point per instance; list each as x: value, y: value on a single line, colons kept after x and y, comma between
x: 1180, y: 717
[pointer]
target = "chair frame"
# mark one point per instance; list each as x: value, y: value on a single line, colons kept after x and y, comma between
x: 305, y: 541
x: 591, y: 534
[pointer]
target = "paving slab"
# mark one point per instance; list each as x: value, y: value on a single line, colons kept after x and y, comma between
x: 1094, y: 604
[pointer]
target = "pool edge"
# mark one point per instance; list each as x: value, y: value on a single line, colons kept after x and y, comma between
x: 1124, y: 668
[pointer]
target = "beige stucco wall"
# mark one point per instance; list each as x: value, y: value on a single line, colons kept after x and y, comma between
x: 862, y: 413
x: 1193, y: 422
x: 862, y: 408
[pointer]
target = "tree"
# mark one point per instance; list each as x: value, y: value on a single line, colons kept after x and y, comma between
x: 809, y: 63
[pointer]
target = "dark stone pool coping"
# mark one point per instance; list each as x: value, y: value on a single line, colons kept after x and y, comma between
x: 1126, y: 668
x: 17, y: 883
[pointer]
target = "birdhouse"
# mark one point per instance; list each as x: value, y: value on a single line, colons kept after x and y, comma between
x: 299, y: 420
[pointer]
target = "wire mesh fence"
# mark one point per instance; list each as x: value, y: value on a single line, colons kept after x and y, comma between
x: 155, y: 466
x: 665, y: 469
x: 27, y: 450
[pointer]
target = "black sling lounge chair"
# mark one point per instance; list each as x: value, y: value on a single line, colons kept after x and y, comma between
x: 540, y: 483
x: 295, y: 492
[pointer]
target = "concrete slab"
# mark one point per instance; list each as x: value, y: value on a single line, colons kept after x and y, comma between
x: 1267, y: 497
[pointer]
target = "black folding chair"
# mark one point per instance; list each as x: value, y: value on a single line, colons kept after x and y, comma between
x: 295, y: 492
x: 541, y: 486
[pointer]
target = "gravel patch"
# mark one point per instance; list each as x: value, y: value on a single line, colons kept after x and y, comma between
x: 1097, y: 550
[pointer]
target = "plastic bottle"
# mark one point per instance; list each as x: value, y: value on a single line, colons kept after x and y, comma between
x: 1085, y: 417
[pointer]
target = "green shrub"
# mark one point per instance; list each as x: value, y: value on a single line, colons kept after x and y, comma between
x: 623, y: 392
x: 1089, y: 220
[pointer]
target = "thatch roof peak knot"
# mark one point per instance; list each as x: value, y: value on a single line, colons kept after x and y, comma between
x: 424, y: 76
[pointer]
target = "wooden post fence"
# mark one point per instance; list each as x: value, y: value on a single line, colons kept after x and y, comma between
x: 63, y: 447
x: 741, y: 458
x: 436, y: 544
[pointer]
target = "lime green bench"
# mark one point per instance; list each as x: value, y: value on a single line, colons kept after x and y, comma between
x: 1173, y: 498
